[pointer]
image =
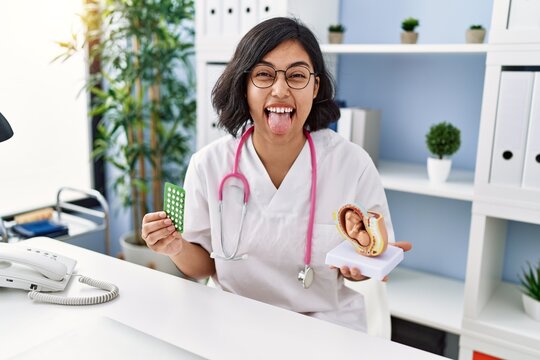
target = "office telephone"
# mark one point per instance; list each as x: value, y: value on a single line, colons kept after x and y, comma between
x: 42, y: 271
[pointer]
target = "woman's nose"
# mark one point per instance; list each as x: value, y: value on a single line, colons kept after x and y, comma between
x: 280, y: 87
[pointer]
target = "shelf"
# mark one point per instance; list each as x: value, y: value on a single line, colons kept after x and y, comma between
x: 77, y: 225
x: 503, y: 317
x: 423, y: 298
x: 405, y: 48
x: 413, y: 178
x: 426, y: 299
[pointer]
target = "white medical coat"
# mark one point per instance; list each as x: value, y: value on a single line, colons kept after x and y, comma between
x: 275, y: 226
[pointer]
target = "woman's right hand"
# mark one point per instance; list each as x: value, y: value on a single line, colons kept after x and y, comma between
x: 160, y: 235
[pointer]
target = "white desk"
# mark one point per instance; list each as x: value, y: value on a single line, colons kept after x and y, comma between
x: 206, y: 321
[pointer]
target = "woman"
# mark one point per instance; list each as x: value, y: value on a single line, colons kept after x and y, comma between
x: 278, y: 82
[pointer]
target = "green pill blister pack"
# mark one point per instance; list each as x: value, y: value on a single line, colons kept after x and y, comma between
x: 173, y: 204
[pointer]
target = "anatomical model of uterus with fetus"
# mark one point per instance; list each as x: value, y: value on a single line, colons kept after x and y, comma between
x: 364, y: 229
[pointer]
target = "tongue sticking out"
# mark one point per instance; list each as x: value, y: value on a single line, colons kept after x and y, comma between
x: 279, y: 123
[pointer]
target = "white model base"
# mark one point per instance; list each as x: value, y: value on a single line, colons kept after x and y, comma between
x: 375, y: 267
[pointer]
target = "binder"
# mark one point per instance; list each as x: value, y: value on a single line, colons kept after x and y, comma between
x: 213, y: 17
x: 344, y: 124
x: 366, y: 131
x: 362, y: 127
x: 231, y: 17
x: 248, y: 15
x: 266, y: 9
x: 531, y: 167
x: 511, y: 125
x: 524, y: 15
x: 213, y: 72
x: 40, y: 228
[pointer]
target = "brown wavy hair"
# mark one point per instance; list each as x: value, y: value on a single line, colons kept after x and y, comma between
x: 229, y: 93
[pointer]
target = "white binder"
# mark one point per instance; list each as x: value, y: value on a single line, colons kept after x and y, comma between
x: 344, y: 125
x: 268, y: 9
x: 248, y: 15
x: 231, y: 17
x: 213, y: 72
x: 362, y: 127
x: 524, y: 15
x: 531, y: 168
x: 213, y: 17
x: 511, y: 124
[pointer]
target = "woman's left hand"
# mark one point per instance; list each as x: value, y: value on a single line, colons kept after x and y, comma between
x: 354, y: 274
x: 404, y: 245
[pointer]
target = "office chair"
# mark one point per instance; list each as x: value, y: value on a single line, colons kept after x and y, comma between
x: 376, y: 304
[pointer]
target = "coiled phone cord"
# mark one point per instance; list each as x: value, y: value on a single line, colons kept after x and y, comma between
x: 112, y: 292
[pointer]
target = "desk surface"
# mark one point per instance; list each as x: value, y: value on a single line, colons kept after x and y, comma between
x: 206, y: 321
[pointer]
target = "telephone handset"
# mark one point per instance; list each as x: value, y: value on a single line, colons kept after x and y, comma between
x: 38, y: 270
x: 34, y: 269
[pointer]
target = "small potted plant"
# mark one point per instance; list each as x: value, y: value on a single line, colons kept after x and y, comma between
x: 335, y: 34
x: 442, y: 140
x: 475, y: 34
x: 409, y: 36
x: 530, y: 281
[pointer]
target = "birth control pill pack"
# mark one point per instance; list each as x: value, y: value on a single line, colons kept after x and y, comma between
x: 173, y: 204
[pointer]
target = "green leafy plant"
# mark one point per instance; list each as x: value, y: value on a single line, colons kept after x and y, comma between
x: 409, y: 24
x: 143, y: 88
x: 476, y: 27
x: 530, y: 281
x: 336, y: 28
x: 443, y: 139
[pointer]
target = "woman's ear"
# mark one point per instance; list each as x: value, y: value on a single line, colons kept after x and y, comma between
x: 316, y: 87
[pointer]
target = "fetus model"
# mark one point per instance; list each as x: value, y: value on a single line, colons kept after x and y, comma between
x: 364, y: 229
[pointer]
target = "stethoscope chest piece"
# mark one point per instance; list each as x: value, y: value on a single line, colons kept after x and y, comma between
x: 306, y: 276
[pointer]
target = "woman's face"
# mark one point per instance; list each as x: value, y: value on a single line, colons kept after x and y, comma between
x: 279, y: 112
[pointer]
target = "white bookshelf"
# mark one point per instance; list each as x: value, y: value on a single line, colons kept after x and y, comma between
x: 404, y: 48
x: 425, y: 48
x: 486, y: 312
x: 412, y: 178
x: 503, y: 317
x: 503, y: 321
x: 442, y: 309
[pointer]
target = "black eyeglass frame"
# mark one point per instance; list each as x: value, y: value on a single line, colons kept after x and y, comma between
x: 284, y: 74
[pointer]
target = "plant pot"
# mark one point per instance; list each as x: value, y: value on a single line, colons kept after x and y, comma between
x: 531, y: 306
x: 475, y: 36
x: 142, y: 255
x: 335, y: 37
x: 438, y: 169
x: 409, y: 37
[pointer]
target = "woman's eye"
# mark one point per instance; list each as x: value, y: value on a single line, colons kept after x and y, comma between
x: 297, y: 76
x: 263, y: 74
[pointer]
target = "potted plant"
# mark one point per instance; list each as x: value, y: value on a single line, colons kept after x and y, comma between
x: 442, y: 140
x: 475, y: 34
x: 143, y: 89
x: 409, y: 36
x: 530, y: 282
x: 335, y: 34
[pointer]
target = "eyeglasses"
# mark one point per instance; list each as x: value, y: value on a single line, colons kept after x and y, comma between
x: 263, y: 76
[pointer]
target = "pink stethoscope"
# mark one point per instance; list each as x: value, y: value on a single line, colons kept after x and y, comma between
x: 306, y: 275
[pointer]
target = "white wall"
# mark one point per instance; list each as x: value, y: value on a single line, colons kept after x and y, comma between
x: 51, y: 143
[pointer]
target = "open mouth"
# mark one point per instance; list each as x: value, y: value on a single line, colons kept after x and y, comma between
x: 279, y: 119
x: 279, y: 110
